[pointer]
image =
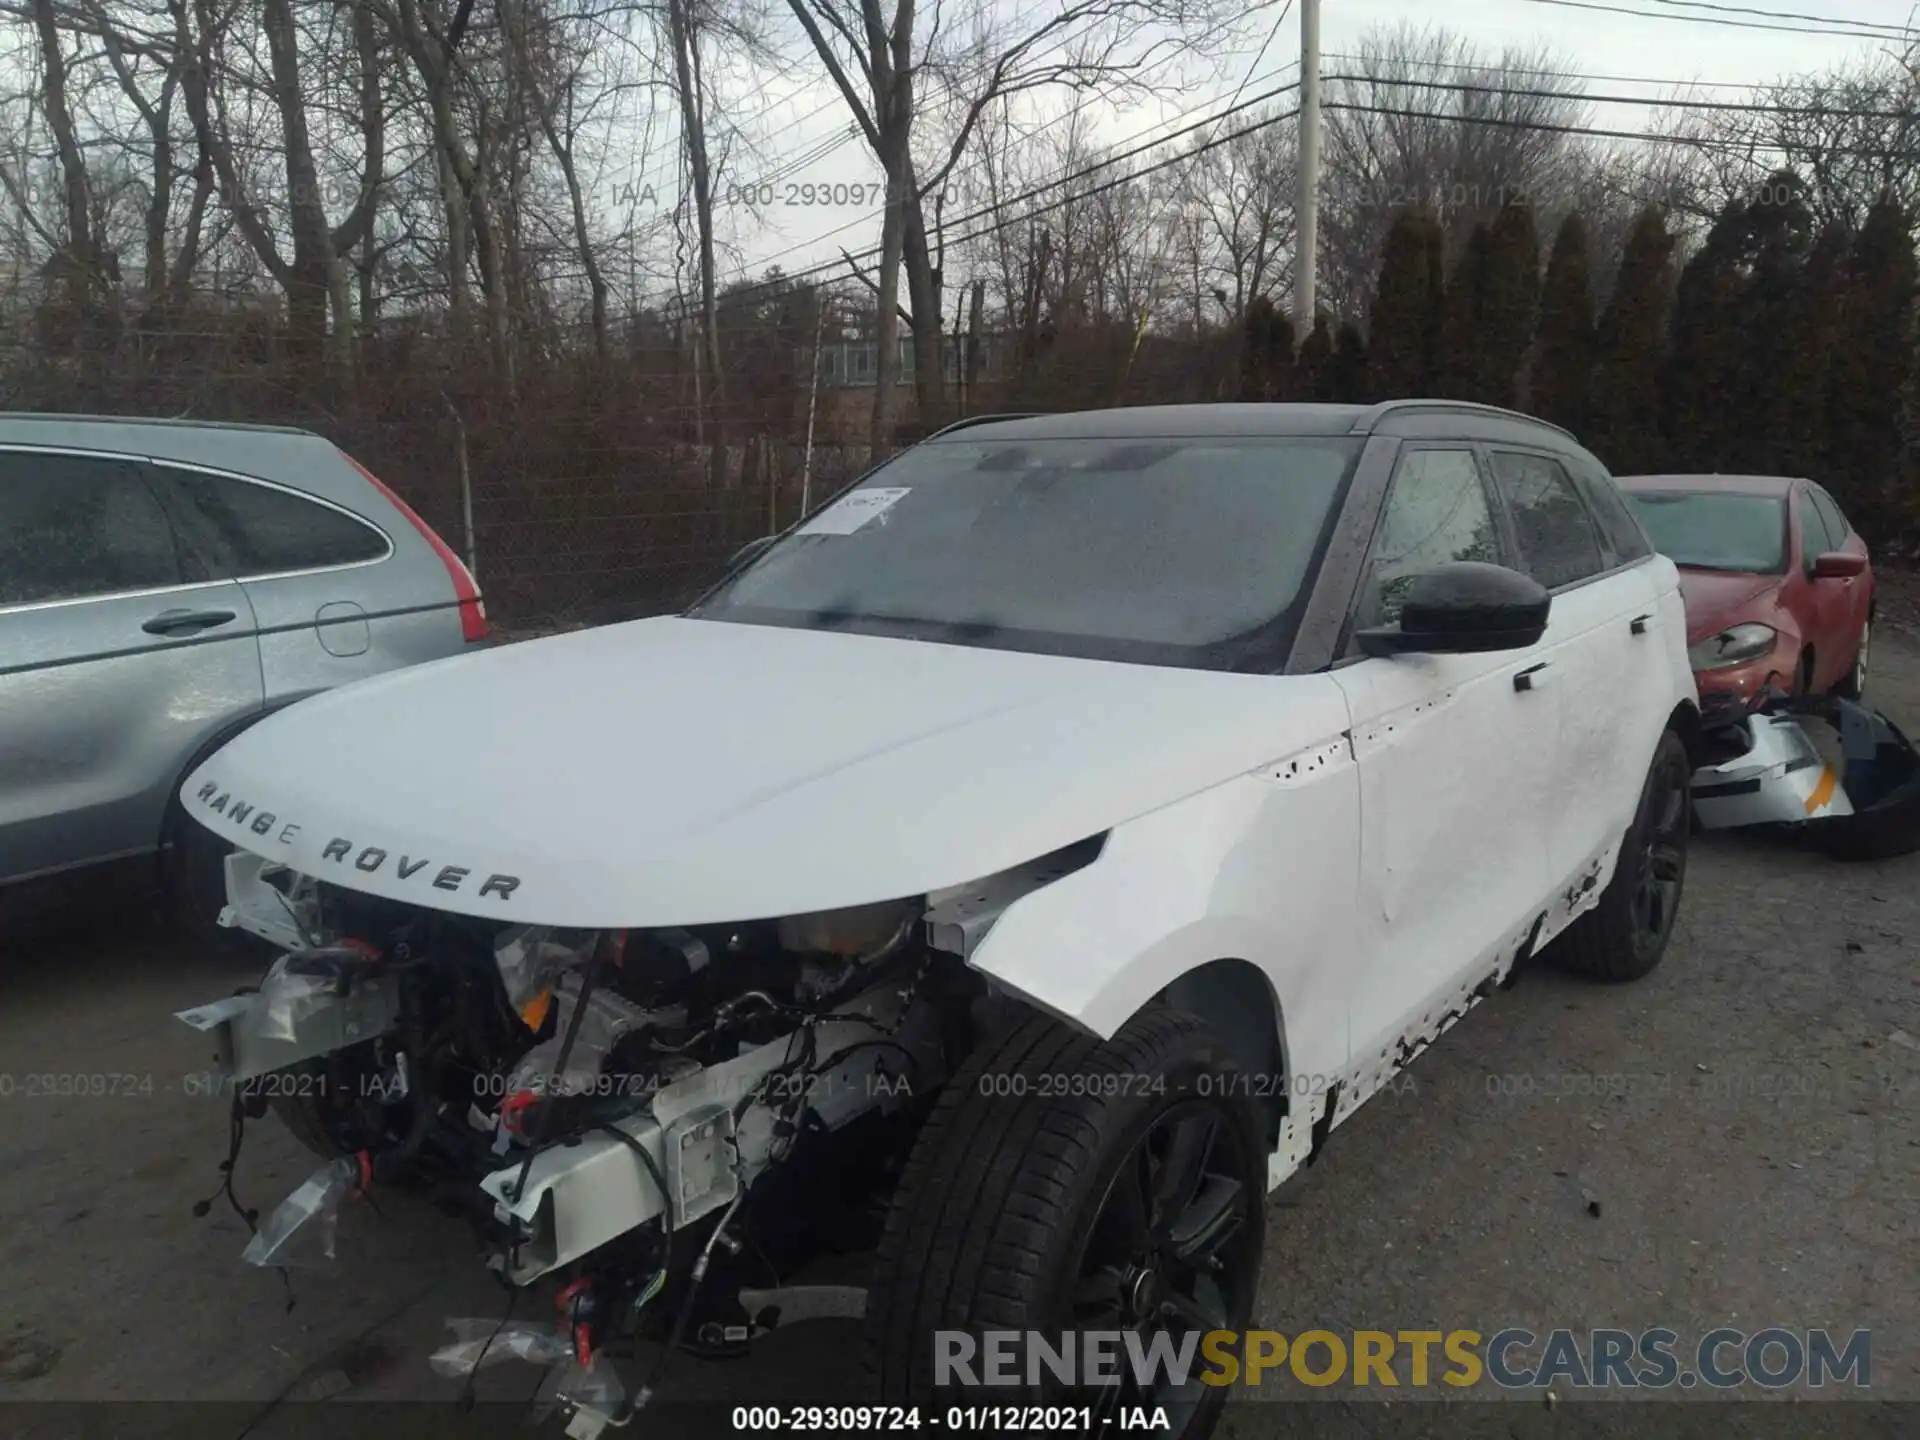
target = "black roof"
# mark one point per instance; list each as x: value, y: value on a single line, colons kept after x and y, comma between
x: 1236, y: 419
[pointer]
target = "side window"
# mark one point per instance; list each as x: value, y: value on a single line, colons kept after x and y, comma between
x: 72, y: 527
x: 1436, y: 512
x: 1558, y: 544
x: 1618, y: 525
x: 1837, y: 527
x: 264, y: 531
x: 1814, y: 539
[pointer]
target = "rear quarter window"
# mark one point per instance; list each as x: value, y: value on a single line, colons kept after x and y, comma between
x: 262, y: 530
x: 1619, y: 526
x: 1558, y: 541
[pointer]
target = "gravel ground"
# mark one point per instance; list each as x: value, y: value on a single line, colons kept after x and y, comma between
x: 1756, y: 1164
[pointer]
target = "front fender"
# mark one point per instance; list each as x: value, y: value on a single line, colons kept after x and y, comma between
x: 1263, y: 868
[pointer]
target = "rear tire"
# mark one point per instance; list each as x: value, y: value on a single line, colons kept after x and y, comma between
x: 1035, y: 1200
x: 1625, y: 936
x: 194, y: 874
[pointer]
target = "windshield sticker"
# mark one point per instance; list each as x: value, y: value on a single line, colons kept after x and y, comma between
x: 850, y: 512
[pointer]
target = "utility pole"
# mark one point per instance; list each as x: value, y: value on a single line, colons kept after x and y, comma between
x: 1307, y: 212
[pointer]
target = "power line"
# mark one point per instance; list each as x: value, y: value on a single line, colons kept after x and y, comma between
x: 1024, y: 211
x: 1715, y: 20
x: 1747, y: 107
x: 1483, y: 68
x: 997, y: 206
x: 1900, y: 31
x: 1505, y: 122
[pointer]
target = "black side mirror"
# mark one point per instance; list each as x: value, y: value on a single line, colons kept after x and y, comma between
x: 750, y: 552
x: 1464, y: 608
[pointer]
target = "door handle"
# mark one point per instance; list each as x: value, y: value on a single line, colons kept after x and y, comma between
x: 1534, y: 677
x: 186, y: 622
x: 1640, y: 624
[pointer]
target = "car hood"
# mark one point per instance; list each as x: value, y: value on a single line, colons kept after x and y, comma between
x: 681, y: 772
x: 1716, y: 599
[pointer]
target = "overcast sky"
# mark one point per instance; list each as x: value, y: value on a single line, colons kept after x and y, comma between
x: 1659, y: 43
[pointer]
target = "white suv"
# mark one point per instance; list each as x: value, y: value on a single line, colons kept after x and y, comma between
x: 1044, y: 847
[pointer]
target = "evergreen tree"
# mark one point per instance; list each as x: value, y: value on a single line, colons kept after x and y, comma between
x: 1352, y: 377
x: 1314, y: 370
x: 1563, y: 357
x: 1404, y: 325
x: 1796, y: 427
x: 1704, y: 367
x: 1461, y: 372
x: 1266, y: 352
x: 1780, y: 230
x: 1623, y: 423
x: 1508, y: 304
x: 1875, y: 366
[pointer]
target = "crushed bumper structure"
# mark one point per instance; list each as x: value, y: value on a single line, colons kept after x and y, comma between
x: 1770, y: 769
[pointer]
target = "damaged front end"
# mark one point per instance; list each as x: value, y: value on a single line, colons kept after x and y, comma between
x: 618, y: 1112
x: 1842, y: 775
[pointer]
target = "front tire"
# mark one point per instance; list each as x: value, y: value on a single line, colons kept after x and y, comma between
x: 1065, y: 1185
x: 1854, y: 684
x: 1626, y: 935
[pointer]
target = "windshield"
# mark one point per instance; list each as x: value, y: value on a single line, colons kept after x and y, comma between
x: 1716, y: 530
x: 1193, y: 552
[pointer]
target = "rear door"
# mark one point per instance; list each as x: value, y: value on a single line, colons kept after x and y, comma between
x: 120, y: 656
x: 1602, y: 633
x: 337, y: 599
x: 1456, y: 756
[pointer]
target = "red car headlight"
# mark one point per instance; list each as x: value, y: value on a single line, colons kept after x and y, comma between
x: 1735, y: 645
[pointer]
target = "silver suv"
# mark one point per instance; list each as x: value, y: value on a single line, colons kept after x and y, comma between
x: 163, y: 584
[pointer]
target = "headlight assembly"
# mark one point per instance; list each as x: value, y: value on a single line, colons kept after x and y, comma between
x: 1734, y: 646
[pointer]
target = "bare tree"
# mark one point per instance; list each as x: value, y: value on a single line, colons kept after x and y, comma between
x: 79, y: 259
x: 1243, y: 194
x: 1422, y: 117
x: 894, y: 67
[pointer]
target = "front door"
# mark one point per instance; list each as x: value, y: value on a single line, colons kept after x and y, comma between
x: 119, y: 658
x: 1829, y: 605
x: 1456, y: 754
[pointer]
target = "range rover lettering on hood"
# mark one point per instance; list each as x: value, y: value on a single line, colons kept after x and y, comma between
x: 367, y: 859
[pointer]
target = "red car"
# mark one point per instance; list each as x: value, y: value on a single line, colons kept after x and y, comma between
x: 1778, y: 587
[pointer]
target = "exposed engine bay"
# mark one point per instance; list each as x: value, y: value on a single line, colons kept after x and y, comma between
x: 617, y: 1112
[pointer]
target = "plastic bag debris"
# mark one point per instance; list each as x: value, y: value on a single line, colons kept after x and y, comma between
x: 532, y: 957
x: 482, y: 1344
x: 287, y: 998
x: 301, y: 1230
x: 485, y: 1343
